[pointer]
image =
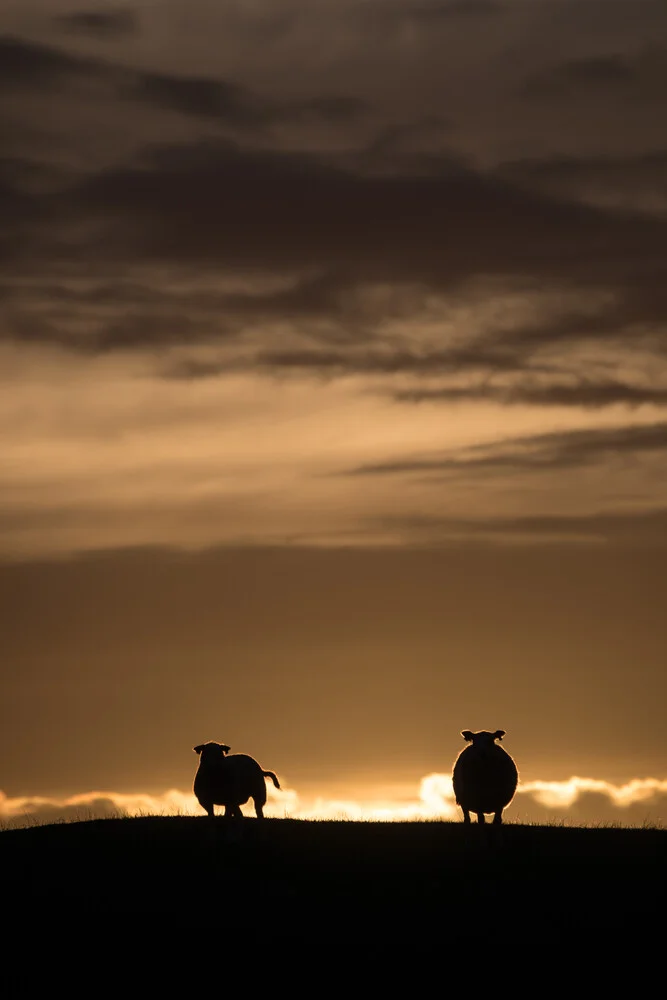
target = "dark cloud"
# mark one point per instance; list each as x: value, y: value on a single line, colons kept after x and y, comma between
x: 633, y: 72
x: 217, y: 205
x: 395, y: 212
x: 634, y: 527
x: 437, y: 10
x: 395, y: 144
x: 636, y: 183
x: 23, y: 215
x: 606, y: 69
x: 636, y: 317
x: 111, y: 23
x: 27, y: 64
x: 332, y: 108
x: 618, y: 528
x: 653, y: 164
x: 579, y: 75
x: 586, y: 393
x: 505, y: 361
x: 387, y: 362
x: 200, y: 96
x: 266, y: 209
x: 559, y: 450
x: 219, y: 99
x: 358, y: 357
x: 30, y: 65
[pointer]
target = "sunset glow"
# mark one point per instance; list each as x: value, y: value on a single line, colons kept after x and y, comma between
x: 536, y: 801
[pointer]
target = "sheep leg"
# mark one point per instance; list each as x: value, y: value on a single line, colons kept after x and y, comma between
x: 480, y: 818
x: 466, y: 815
x: 498, y: 818
x: 210, y: 808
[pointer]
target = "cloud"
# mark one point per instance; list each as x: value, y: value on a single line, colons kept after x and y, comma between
x: 632, y: 72
x: 111, y: 23
x: 577, y: 801
x: 586, y: 393
x: 340, y: 234
x: 627, y: 183
x: 384, y: 361
x: 366, y: 243
x: 212, y: 172
x: 559, y: 450
x: 590, y: 800
x: 597, y: 69
x: 28, y: 64
x: 603, y: 71
x: 234, y: 105
x: 634, y: 527
x: 334, y: 108
x: 432, y: 13
x: 200, y: 96
x: 436, y: 9
x: 31, y: 65
x: 272, y: 209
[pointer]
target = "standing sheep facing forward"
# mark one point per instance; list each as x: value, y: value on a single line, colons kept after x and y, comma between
x: 229, y: 781
x: 485, y: 776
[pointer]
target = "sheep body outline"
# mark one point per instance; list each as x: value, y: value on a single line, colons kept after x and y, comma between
x: 485, y: 776
x: 229, y: 780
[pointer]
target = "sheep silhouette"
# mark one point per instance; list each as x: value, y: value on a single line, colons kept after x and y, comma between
x: 229, y: 780
x: 485, y: 776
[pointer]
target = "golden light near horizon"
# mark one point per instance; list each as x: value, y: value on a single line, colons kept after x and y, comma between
x: 433, y: 800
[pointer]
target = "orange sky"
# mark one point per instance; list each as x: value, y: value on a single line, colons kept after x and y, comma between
x: 332, y: 391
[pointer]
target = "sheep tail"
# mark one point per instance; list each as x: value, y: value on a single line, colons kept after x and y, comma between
x: 271, y: 775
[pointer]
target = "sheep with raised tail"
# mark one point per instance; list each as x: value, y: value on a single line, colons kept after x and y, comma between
x: 485, y: 776
x: 229, y: 780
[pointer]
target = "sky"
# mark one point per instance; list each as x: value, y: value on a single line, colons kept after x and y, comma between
x: 333, y: 400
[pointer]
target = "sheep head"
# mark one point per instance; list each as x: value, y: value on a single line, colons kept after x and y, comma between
x: 482, y: 739
x: 211, y: 751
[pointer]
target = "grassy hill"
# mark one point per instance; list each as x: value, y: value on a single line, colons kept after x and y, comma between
x: 429, y: 878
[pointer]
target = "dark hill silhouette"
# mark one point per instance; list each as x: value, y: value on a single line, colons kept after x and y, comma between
x: 429, y: 879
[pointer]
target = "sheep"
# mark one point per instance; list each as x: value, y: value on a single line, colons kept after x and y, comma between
x: 485, y: 776
x: 229, y: 781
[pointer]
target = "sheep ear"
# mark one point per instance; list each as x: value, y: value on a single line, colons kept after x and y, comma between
x: 466, y: 734
x: 199, y: 748
x: 499, y: 733
x: 225, y: 748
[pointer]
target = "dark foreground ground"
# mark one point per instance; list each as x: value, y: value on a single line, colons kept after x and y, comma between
x: 397, y: 892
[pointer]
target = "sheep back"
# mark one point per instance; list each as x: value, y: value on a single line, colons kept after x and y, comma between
x: 484, y: 780
x: 229, y: 781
